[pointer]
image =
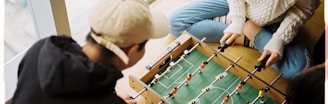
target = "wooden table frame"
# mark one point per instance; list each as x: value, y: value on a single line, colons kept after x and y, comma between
x: 242, y: 69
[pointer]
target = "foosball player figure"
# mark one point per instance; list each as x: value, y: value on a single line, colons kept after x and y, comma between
x: 239, y: 86
x: 226, y: 99
x: 183, y: 56
x: 192, y: 101
x: 206, y: 89
x: 186, y: 52
x: 169, y: 68
x: 173, y: 91
x: 188, y: 78
x: 171, y: 65
x: 153, y: 82
x: 156, y: 79
x: 220, y: 76
x: 261, y: 95
x: 202, y: 66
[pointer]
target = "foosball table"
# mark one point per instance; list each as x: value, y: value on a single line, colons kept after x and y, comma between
x: 191, y: 71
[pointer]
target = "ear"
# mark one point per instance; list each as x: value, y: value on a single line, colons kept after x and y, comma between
x: 132, y: 49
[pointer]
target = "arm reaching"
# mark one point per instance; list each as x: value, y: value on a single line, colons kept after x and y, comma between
x: 295, y: 17
x: 237, y: 14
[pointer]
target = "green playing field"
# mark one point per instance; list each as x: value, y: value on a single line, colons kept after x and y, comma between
x: 201, y: 80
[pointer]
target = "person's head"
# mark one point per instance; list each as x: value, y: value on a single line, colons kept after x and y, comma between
x: 307, y: 87
x: 121, y: 28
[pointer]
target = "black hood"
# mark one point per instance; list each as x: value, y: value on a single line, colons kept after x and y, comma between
x: 56, y: 71
x: 64, y: 69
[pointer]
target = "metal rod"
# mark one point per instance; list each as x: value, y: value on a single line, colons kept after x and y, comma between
x: 140, y: 92
x: 184, y: 81
x: 170, y: 67
x: 252, y: 75
x: 220, y: 76
x: 197, y: 44
x: 267, y: 88
x: 225, y: 57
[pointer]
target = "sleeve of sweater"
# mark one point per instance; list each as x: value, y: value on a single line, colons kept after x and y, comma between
x: 295, y: 17
x: 237, y: 15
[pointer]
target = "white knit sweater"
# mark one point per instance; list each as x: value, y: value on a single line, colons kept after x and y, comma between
x: 291, y: 13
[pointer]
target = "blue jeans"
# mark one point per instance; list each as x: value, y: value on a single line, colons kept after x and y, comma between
x: 196, y: 18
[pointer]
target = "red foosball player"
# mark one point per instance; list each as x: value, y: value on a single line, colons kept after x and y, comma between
x: 188, y: 78
x: 239, y: 86
x: 202, y: 65
x: 173, y: 91
x: 226, y: 99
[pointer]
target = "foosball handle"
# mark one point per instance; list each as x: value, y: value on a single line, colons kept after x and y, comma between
x: 222, y: 47
x: 132, y: 98
x: 262, y: 63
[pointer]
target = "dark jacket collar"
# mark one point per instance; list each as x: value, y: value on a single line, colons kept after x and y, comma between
x: 63, y: 69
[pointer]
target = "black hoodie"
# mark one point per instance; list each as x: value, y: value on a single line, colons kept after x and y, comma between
x: 56, y: 71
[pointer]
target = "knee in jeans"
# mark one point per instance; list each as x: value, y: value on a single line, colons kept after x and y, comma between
x: 293, y: 72
x: 175, y: 21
